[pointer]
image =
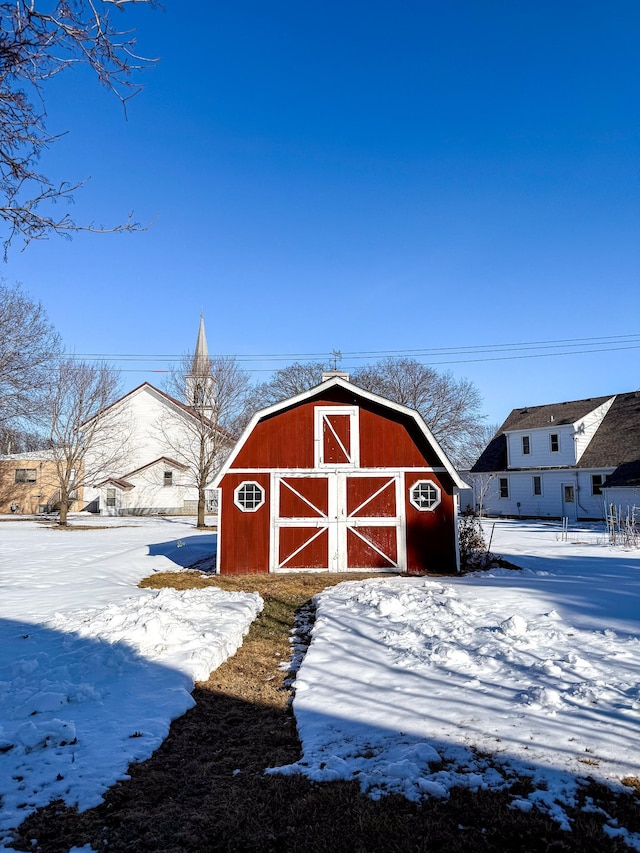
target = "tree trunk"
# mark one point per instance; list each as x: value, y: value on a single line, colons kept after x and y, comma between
x: 62, y: 521
x: 201, y: 504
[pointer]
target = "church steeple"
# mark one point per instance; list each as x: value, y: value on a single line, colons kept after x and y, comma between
x: 200, y: 365
x: 200, y: 384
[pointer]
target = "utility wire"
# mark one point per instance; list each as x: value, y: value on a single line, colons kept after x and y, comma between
x: 601, y: 344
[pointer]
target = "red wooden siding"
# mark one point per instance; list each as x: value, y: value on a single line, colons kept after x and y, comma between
x: 371, y: 497
x: 303, y: 497
x: 386, y: 443
x: 244, y: 536
x: 285, y: 440
x: 430, y: 535
x: 282, y: 441
x: 372, y: 547
x: 336, y: 439
x: 304, y: 548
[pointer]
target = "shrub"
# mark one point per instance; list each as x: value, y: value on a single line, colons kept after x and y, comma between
x: 473, y: 548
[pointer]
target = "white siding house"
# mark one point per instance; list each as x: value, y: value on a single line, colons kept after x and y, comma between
x: 557, y: 460
x: 150, y: 427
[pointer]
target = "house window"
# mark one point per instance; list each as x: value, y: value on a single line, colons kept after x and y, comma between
x: 249, y: 496
x: 25, y: 475
x: 111, y: 497
x: 424, y: 495
x: 596, y: 484
x: 555, y: 442
x: 168, y: 478
x: 537, y: 485
x: 504, y: 487
x: 526, y: 445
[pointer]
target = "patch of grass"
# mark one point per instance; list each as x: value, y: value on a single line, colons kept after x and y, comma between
x: 204, y: 789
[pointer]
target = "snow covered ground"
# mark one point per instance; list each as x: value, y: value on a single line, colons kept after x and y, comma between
x: 409, y: 685
x: 92, y: 669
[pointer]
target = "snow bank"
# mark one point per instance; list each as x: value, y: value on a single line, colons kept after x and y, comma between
x: 87, y: 690
x: 413, y: 686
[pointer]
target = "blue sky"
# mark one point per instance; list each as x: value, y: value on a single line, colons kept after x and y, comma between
x: 369, y: 177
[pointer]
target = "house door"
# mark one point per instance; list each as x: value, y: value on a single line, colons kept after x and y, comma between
x: 337, y: 522
x: 569, y: 500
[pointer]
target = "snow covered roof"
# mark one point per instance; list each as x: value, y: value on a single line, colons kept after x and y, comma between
x: 28, y: 456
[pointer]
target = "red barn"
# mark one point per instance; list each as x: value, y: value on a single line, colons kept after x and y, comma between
x: 337, y: 479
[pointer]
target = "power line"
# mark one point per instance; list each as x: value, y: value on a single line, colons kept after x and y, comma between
x: 468, y: 354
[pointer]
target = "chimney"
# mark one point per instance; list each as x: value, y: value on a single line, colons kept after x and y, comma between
x: 332, y: 374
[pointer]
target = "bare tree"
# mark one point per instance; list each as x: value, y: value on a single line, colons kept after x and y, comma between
x: 450, y: 407
x: 483, y: 486
x: 87, y: 433
x: 477, y: 443
x: 23, y: 440
x: 37, y: 41
x: 29, y: 347
x: 286, y: 382
x: 215, y: 397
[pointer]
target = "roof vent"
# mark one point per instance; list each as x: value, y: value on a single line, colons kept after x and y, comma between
x: 551, y: 419
x: 334, y: 374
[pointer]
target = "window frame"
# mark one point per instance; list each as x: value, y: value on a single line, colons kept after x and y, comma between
x: 25, y: 478
x: 596, y: 488
x: 353, y: 413
x: 538, y: 493
x: 110, y: 497
x: 503, y: 488
x: 414, y: 499
x: 237, y: 499
x: 554, y: 438
x: 526, y: 445
x: 167, y: 479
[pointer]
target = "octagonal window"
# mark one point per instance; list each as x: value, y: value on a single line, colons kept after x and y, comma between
x: 425, y: 495
x: 248, y: 496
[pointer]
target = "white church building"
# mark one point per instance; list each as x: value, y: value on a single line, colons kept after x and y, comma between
x: 140, y: 458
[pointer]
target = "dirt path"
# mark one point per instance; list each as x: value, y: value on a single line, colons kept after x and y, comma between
x: 205, y: 789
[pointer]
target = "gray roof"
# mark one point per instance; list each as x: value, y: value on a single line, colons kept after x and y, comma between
x: 560, y: 414
x: 616, y: 442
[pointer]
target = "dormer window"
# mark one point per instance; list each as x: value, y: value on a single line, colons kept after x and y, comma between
x: 554, y: 439
x: 526, y: 445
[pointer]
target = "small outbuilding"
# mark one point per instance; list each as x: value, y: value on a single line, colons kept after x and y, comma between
x: 337, y: 479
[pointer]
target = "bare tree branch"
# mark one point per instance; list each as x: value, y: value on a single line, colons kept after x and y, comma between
x: 88, y: 435
x: 37, y: 42
x: 29, y: 347
x: 450, y: 407
x: 215, y: 401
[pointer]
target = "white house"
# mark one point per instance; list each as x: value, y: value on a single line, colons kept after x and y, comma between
x: 563, y: 460
x: 141, y: 461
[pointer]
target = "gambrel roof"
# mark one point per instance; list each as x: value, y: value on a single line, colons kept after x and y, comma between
x: 336, y: 381
x: 616, y: 443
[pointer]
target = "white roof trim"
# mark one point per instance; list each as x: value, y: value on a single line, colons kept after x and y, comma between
x: 348, y: 386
